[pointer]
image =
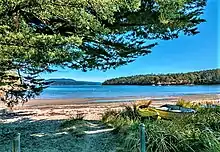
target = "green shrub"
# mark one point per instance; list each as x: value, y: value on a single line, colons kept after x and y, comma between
x: 188, y: 104
x: 197, y: 132
x: 205, y: 118
x: 109, y: 115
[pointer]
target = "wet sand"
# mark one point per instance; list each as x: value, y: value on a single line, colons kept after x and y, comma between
x: 163, y: 99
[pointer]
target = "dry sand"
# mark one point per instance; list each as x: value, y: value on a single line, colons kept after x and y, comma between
x: 90, y: 108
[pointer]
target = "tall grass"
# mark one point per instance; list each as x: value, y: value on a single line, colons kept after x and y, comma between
x: 199, y: 132
x: 188, y: 104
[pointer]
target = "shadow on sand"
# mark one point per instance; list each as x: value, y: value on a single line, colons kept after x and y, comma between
x: 47, y: 136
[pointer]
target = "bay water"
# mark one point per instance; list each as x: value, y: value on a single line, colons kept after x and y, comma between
x: 108, y: 91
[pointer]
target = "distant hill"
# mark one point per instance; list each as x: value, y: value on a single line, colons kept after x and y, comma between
x: 63, y: 81
x: 205, y: 77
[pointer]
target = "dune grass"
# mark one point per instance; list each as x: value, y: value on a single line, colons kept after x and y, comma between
x: 194, y: 133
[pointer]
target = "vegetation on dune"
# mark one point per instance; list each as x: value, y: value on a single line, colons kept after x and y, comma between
x: 199, y: 77
x: 38, y: 35
x: 197, y: 132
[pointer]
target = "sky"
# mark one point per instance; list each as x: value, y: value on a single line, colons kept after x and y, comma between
x: 185, y: 54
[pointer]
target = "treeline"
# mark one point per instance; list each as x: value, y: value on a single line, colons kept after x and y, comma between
x: 198, y: 78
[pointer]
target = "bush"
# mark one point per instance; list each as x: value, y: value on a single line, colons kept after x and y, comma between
x: 188, y: 104
x: 119, y: 120
x: 198, y: 132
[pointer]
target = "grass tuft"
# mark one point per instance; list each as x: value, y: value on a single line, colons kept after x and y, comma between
x: 191, y: 133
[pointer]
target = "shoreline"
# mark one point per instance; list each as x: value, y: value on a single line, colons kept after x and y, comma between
x: 69, y: 101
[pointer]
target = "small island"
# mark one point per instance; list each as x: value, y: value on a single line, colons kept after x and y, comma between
x: 205, y: 77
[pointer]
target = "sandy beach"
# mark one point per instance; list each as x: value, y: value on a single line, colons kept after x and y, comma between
x: 39, y: 122
x: 93, y: 108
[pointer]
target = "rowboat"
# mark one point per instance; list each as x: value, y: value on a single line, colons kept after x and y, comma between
x: 165, y: 111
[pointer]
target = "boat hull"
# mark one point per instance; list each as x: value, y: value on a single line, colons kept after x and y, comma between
x: 153, y: 112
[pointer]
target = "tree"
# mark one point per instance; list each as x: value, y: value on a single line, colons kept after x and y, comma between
x: 37, y: 35
x: 198, y: 77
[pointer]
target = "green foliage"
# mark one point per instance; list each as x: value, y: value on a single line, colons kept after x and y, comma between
x: 131, y: 113
x: 19, y: 90
x: 199, y: 77
x: 205, y: 118
x: 121, y: 120
x: 188, y: 104
x: 199, y: 106
x: 109, y: 115
x: 38, y: 35
x: 199, y: 132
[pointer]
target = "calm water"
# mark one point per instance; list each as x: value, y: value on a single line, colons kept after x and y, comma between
x: 94, y: 91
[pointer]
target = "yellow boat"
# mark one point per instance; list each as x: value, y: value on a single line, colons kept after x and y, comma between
x: 165, y: 111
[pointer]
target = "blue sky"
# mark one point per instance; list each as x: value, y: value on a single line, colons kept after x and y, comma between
x: 185, y: 54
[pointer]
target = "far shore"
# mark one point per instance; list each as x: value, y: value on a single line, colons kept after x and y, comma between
x: 93, y: 108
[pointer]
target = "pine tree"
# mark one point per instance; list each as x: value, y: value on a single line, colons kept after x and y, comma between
x: 37, y: 35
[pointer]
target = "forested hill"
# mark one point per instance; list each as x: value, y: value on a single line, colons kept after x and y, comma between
x: 63, y: 81
x: 190, y: 78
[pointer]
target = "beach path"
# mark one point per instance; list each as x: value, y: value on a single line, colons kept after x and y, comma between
x: 46, y: 136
